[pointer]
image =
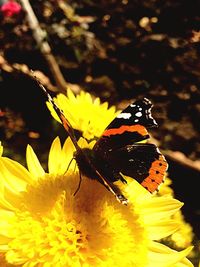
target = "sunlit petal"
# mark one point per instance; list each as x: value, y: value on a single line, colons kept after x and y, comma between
x: 54, y: 156
x: 162, y: 229
x: 1, y: 149
x: 163, y: 256
x: 13, y: 175
x: 33, y: 163
x: 166, y: 207
x: 91, y: 112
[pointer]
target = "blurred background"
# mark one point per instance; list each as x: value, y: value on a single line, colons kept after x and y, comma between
x: 118, y: 50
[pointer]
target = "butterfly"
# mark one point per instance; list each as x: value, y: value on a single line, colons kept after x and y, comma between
x: 119, y: 151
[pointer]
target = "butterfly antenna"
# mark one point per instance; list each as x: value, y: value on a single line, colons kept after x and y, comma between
x: 59, y: 112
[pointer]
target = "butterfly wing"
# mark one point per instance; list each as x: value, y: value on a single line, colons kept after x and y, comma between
x: 128, y: 127
x: 118, y: 145
x: 143, y: 162
x: 66, y: 124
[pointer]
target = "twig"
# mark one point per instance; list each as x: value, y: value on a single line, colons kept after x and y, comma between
x: 181, y: 159
x: 178, y: 157
x: 44, y: 46
x: 24, y: 69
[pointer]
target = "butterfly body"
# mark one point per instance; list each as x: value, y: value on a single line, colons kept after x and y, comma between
x: 121, y: 150
x: 96, y: 167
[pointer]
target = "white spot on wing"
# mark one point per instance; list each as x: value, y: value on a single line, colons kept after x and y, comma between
x: 148, y: 112
x: 124, y: 116
x: 138, y: 114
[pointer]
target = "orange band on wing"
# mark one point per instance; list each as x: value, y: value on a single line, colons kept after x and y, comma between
x: 65, y: 122
x: 126, y: 128
x: 156, y: 174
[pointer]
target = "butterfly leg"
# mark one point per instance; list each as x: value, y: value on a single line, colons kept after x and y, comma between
x: 69, y: 165
x: 79, y: 184
x: 117, y: 192
x: 104, y: 179
x: 121, y: 178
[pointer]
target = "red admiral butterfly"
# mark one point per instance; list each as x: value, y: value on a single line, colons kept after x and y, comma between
x: 118, y: 151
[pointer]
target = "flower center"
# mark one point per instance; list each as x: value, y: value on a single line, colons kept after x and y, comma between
x: 90, y: 228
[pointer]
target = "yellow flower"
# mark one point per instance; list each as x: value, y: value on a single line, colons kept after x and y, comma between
x: 166, y: 189
x: 85, y: 114
x: 91, y: 118
x: 43, y: 224
x: 183, y: 237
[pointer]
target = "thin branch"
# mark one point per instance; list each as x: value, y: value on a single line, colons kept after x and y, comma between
x: 180, y: 158
x: 44, y: 46
x: 24, y: 69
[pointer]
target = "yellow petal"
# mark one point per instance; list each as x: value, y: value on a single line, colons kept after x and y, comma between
x: 162, y: 256
x: 10, y: 190
x: 162, y: 229
x: 5, y: 225
x: 4, y: 248
x: 65, y: 104
x: 4, y: 204
x: 33, y: 163
x: 71, y: 96
x: 54, y: 156
x: 97, y: 101
x: 1, y: 149
x: 53, y: 113
x: 14, y: 175
x: 164, y: 208
x: 67, y: 156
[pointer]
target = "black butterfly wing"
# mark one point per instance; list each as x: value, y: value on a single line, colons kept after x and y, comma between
x: 143, y: 162
x: 118, y: 146
x: 128, y: 127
